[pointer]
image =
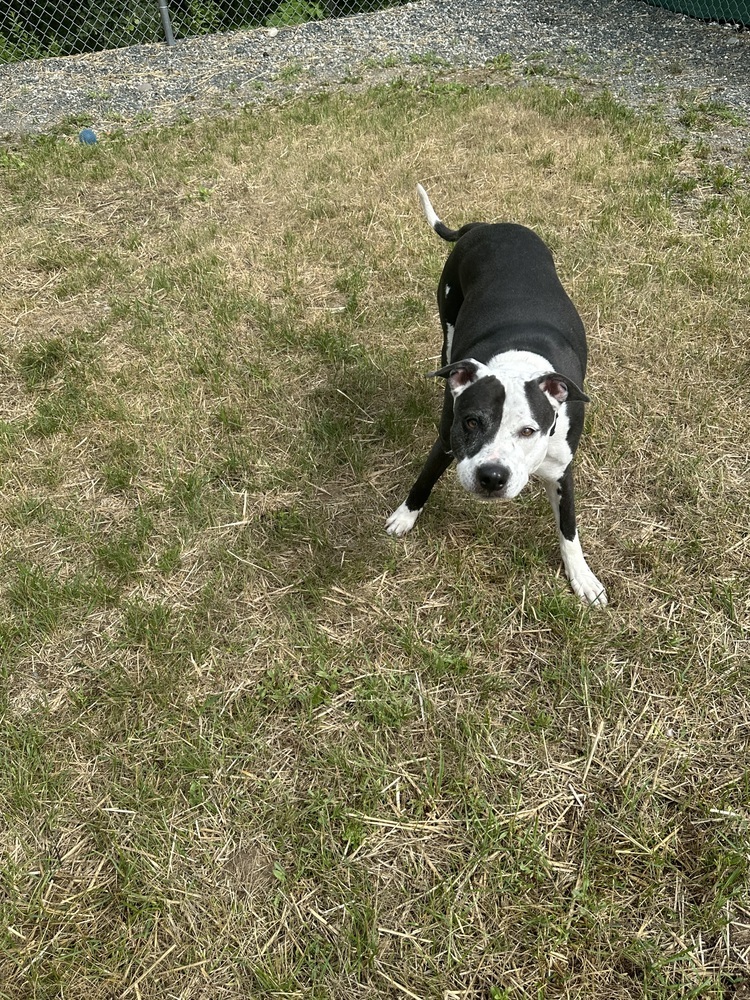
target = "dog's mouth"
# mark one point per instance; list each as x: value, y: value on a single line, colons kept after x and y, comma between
x: 489, y: 495
x: 508, y: 491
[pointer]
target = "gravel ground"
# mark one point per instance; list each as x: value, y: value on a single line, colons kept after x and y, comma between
x: 643, y: 54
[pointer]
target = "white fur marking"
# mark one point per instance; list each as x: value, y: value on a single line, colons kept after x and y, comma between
x: 582, y: 580
x: 559, y: 456
x: 402, y: 520
x: 429, y: 211
x: 518, y: 364
x: 449, y: 342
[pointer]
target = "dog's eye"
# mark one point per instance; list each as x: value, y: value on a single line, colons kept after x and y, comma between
x: 527, y: 432
x: 471, y: 423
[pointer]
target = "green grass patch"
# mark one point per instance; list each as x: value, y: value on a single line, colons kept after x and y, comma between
x: 253, y: 746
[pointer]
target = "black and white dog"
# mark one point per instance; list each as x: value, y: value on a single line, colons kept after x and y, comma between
x: 514, y: 357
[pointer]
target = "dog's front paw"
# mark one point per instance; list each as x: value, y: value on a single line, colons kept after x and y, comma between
x: 402, y: 520
x: 588, y: 588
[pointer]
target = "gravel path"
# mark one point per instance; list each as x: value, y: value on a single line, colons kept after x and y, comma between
x: 644, y: 54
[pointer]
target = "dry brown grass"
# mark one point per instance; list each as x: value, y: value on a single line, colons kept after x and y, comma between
x: 254, y: 747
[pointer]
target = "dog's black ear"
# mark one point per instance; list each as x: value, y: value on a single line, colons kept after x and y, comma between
x: 562, y: 388
x: 460, y: 374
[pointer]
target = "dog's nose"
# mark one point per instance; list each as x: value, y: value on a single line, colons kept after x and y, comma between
x: 492, y: 477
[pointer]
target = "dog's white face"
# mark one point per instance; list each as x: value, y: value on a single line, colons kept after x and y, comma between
x: 509, y: 419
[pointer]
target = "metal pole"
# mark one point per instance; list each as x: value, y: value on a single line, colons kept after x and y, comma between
x: 165, y: 22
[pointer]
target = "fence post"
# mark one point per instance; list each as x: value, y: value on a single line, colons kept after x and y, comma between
x: 165, y: 22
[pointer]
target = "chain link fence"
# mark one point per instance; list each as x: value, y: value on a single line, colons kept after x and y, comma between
x: 31, y: 29
x: 725, y: 11
x: 37, y: 28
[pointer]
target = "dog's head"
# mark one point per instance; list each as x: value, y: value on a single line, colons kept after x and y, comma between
x: 502, y: 424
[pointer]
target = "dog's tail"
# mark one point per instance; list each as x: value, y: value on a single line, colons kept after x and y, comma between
x: 451, y: 235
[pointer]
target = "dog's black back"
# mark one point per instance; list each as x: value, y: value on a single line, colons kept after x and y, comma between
x: 523, y: 305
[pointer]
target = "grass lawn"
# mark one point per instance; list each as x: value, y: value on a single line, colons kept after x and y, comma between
x: 250, y: 745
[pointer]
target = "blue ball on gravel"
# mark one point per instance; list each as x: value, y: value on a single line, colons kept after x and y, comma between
x: 87, y: 136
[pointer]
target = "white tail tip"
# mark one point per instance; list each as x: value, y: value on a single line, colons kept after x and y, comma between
x: 429, y: 211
